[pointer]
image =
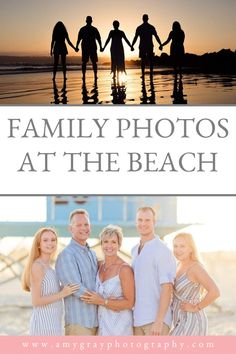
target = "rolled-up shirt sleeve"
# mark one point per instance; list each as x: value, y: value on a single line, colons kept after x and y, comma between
x: 166, y: 267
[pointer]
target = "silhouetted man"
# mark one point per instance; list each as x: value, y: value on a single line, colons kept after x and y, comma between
x: 89, y: 34
x: 145, y: 31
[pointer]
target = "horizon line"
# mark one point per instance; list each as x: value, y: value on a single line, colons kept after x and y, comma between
x: 45, y: 54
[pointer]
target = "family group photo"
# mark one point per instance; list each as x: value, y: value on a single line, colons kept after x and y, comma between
x: 131, y: 53
x: 117, y: 266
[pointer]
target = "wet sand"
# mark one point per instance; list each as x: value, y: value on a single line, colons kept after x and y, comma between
x: 194, y: 89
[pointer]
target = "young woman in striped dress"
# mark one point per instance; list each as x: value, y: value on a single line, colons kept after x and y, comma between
x: 41, y: 280
x: 191, y: 283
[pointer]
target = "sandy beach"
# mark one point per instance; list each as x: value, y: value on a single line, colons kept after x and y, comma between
x: 15, y: 312
x: 38, y: 88
x: 15, y: 304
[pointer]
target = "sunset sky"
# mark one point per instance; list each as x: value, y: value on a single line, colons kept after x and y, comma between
x: 26, y: 26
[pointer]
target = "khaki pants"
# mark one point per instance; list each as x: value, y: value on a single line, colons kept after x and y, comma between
x: 77, y: 330
x: 146, y: 330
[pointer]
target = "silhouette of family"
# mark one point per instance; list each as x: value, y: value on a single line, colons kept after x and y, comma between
x: 90, y: 39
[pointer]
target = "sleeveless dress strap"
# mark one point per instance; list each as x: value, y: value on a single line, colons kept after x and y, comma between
x: 41, y: 263
x: 190, y: 267
x: 121, y: 265
x: 101, y: 265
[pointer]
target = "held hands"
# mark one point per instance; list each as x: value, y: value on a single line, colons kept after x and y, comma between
x: 76, y: 49
x: 187, y: 307
x: 91, y: 297
x: 101, y: 49
x: 161, y: 47
x: 132, y: 48
x: 69, y: 289
x: 156, y: 329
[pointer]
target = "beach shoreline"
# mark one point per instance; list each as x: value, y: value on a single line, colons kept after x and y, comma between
x: 38, y: 88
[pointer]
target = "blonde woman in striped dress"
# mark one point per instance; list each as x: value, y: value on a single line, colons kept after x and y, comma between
x: 41, y: 280
x: 191, y: 283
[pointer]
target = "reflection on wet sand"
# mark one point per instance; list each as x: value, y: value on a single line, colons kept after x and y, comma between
x: 147, y: 98
x: 161, y: 89
x: 178, y: 95
x: 62, y: 97
x: 90, y: 97
x: 118, y: 92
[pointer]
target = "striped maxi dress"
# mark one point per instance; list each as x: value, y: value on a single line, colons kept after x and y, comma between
x: 187, y: 323
x: 47, y: 320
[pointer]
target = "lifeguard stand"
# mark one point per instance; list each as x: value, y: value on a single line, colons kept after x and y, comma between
x: 103, y: 210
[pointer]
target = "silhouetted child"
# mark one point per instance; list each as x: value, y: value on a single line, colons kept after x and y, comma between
x: 58, y: 47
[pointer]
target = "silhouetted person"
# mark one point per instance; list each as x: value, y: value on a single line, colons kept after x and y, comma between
x: 146, y: 32
x: 89, y: 35
x: 177, y: 46
x: 58, y: 47
x: 117, y: 49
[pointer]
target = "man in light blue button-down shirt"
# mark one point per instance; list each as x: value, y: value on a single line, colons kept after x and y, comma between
x: 154, y: 272
x: 77, y: 264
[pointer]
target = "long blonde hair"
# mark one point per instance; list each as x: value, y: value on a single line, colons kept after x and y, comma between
x: 194, y: 256
x: 33, y: 255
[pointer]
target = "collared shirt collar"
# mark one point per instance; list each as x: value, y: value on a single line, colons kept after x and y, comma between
x: 80, y: 247
x: 154, y: 237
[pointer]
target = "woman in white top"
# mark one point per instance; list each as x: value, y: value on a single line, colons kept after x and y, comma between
x: 115, y: 288
x: 41, y: 280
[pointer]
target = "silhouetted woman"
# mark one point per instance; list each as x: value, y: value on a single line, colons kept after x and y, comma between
x: 58, y: 47
x: 177, y: 46
x: 117, y: 49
